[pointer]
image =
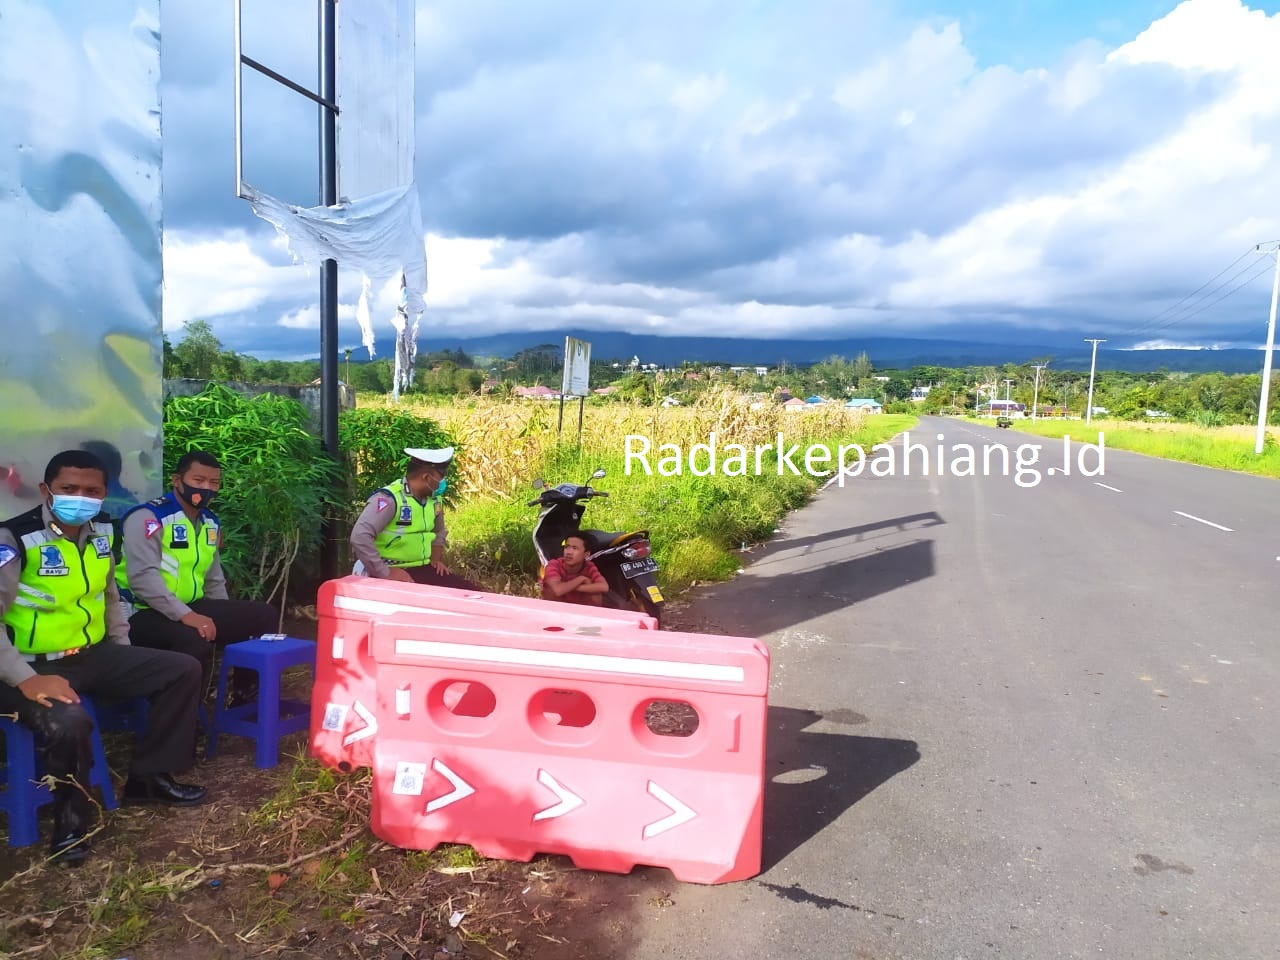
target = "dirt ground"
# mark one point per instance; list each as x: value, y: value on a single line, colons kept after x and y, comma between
x: 282, y: 862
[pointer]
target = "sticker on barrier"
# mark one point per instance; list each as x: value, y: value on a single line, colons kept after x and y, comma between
x: 342, y: 724
x: 518, y: 742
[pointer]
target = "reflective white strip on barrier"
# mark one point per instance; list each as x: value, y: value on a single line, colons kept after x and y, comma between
x: 671, y: 669
x: 360, y: 605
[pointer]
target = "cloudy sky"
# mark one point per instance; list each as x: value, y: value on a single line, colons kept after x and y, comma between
x: 758, y: 168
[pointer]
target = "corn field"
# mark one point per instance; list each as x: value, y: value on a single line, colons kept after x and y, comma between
x: 503, y: 443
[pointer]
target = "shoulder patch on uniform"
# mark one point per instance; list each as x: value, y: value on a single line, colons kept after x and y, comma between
x: 382, y: 504
x: 7, y: 553
x: 151, y: 527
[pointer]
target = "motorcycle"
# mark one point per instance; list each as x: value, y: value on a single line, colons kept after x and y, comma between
x: 623, y: 558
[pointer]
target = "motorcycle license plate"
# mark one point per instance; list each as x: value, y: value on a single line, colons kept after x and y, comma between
x: 634, y: 568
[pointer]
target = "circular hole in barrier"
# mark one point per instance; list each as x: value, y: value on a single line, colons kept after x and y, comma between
x: 344, y: 766
x: 461, y: 705
x: 463, y: 698
x: 670, y: 718
x: 562, y: 715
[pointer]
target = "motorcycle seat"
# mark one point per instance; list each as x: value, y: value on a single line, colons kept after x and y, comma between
x: 597, y: 539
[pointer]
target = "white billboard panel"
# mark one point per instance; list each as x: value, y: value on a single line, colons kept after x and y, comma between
x: 577, y: 368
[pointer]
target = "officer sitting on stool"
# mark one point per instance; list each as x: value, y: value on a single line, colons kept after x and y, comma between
x: 172, y: 573
x: 400, y: 534
x: 65, y: 635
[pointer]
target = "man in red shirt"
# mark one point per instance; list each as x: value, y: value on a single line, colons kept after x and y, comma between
x: 572, y: 578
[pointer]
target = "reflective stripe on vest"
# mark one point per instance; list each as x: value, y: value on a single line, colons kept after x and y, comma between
x: 61, y: 603
x: 183, y: 568
x: 406, y: 540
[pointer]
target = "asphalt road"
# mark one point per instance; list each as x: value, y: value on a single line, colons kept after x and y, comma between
x: 1007, y: 722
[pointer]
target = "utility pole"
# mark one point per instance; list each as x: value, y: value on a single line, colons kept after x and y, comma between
x: 1088, y: 410
x: 1266, y: 360
x: 1006, y: 397
x: 1035, y: 401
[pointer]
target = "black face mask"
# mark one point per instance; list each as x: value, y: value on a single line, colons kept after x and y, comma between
x: 197, y: 497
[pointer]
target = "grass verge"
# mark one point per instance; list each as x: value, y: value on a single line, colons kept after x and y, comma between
x: 1224, y: 448
x: 698, y: 524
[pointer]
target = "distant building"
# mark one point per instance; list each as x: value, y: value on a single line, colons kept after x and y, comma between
x: 1002, y: 408
x: 865, y: 403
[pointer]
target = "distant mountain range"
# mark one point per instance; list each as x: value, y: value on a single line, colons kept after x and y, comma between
x: 885, y: 352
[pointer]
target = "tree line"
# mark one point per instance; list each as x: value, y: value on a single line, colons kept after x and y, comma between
x: 1206, y: 398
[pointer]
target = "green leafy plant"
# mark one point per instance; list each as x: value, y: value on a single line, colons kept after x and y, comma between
x: 373, y: 442
x: 278, y: 485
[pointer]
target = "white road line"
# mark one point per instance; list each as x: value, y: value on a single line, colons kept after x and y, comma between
x: 1106, y: 487
x: 1207, y: 523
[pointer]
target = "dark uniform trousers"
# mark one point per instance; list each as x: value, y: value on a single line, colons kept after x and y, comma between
x: 426, y: 574
x: 236, y: 620
x: 170, y: 681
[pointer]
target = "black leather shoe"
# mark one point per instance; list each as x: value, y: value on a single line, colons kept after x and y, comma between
x: 70, y: 848
x: 161, y: 788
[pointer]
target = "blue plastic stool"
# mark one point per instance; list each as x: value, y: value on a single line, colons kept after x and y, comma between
x: 270, y: 718
x: 23, y: 794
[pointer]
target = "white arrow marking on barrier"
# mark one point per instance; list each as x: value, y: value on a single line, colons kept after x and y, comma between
x: 569, y: 801
x: 461, y: 789
x: 370, y: 724
x: 337, y: 646
x: 402, y: 701
x: 680, y: 812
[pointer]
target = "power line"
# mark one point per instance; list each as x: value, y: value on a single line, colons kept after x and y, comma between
x: 1240, y: 286
x: 1178, y: 309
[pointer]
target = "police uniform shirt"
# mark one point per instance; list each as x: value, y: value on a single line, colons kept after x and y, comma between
x: 13, y: 669
x: 141, y: 539
x: 372, y: 522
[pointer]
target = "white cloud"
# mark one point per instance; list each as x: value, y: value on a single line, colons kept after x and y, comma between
x: 703, y: 178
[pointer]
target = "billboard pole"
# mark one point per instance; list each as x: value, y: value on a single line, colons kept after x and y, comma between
x: 329, y: 269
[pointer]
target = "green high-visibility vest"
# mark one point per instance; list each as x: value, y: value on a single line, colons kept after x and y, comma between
x: 61, y: 600
x: 406, y: 540
x: 187, y: 551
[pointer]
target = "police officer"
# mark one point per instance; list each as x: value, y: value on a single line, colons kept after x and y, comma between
x: 65, y: 636
x: 171, y: 572
x: 400, y: 534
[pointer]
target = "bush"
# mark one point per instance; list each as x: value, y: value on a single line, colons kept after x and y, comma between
x: 373, y: 442
x: 278, y: 485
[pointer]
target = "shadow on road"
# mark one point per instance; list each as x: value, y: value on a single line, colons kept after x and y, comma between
x: 762, y: 602
x: 856, y: 534
x: 812, y: 778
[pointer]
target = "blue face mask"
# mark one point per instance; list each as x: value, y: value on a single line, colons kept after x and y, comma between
x: 74, y: 511
x: 444, y: 485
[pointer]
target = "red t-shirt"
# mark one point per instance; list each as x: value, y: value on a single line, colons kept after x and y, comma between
x: 556, y: 571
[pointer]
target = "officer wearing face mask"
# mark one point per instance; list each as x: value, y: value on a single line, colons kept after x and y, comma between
x: 400, y: 534
x: 64, y: 636
x: 170, y: 571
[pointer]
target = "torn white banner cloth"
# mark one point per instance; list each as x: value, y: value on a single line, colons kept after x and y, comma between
x: 379, y: 235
